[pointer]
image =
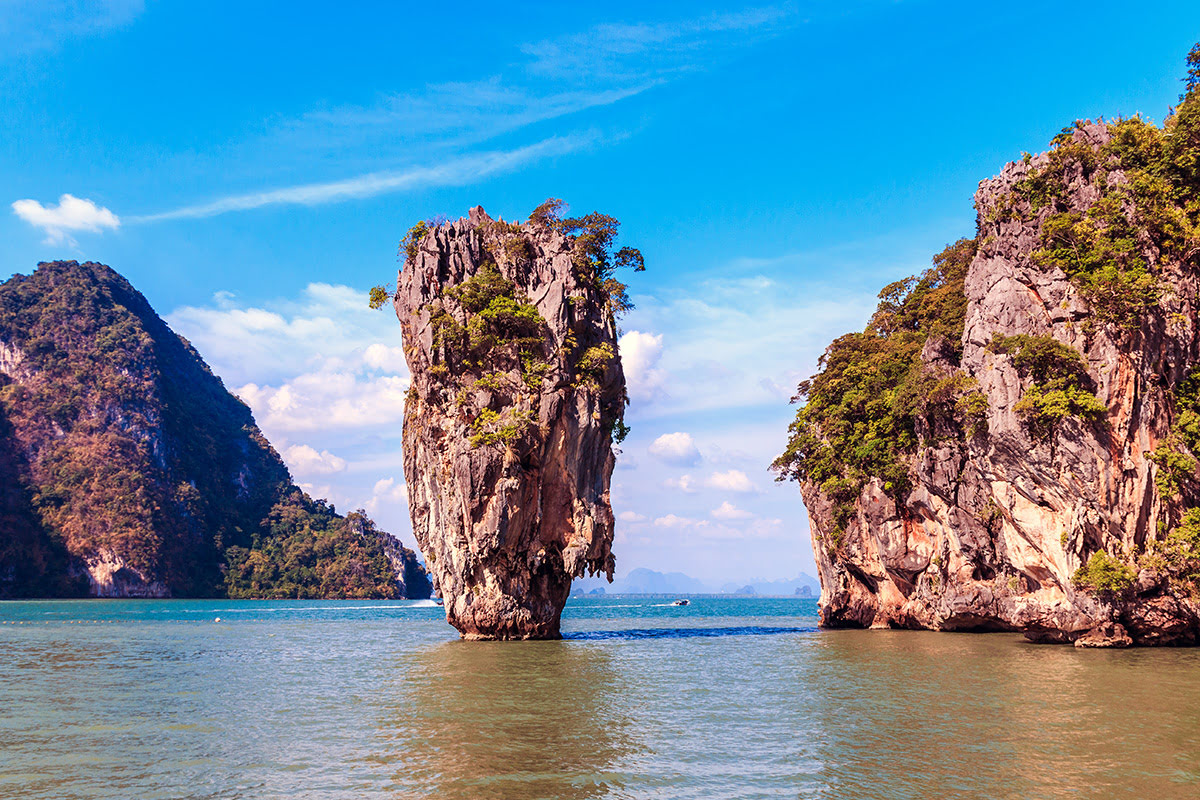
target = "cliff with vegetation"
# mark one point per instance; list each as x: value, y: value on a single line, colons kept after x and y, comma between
x: 517, y: 397
x: 1013, y: 441
x: 127, y: 469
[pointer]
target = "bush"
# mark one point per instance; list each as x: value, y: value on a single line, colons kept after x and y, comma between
x: 411, y: 243
x: 1105, y: 574
x: 859, y: 418
x: 505, y: 429
x: 1059, y: 381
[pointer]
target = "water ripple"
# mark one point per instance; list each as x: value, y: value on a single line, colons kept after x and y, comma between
x: 684, y: 633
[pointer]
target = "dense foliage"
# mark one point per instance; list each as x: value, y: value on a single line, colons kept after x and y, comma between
x: 1060, y: 384
x: 305, y: 550
x: 1149, y: 178
x: 863, y: 407
x: 1105, y: 574
x: 485, y: 329
x: 122, y: 440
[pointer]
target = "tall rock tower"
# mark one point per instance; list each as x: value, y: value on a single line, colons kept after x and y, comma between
x: 517, y: 396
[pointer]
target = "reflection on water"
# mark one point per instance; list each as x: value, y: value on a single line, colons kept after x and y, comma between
x: 505, y: 720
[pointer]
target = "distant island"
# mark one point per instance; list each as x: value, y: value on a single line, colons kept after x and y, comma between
x: 648, y: 581
x: 128, y: 470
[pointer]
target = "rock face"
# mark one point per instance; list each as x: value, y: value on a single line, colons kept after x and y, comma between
x: 127, y: 469
x: 508, y: 429
x: 1048, y: 516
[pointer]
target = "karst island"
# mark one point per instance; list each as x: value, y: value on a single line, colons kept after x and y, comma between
x: 510, y: 332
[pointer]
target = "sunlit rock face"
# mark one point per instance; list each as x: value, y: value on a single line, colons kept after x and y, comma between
x: 996, y: 523
x: 516, y: 389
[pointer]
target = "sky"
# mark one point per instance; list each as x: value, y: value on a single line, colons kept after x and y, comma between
x: 250, y: 167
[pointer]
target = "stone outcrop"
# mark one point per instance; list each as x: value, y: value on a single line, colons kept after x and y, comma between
x: 508, y: 429
x: 997, y: 522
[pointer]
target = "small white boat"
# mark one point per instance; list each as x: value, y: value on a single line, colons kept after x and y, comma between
x: 681, y: 602
x: 439, y: 601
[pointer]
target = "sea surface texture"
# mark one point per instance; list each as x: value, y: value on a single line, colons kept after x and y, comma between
x: 724, y: 698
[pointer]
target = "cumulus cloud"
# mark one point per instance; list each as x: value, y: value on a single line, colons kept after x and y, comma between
x: 71, y: 215
x: 673, y: 521
x: 305, y: 460
x: 729, y: 511
x: 631, y: 516
x: 389, y: 359
x: 327, y: 398
x: 676, y: 448
x: 684, y: 483
x: 732, y: 481
x: 387, y: 491
x: 640, y: 354
x: 327, y: 328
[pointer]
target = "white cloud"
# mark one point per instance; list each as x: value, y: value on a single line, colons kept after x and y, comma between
x: 389, y: 359
x: 640, y: 354
x: 729, y: 511
x: 451, y: 113
x: 72, y: 214
x: 684, y: 483
x: 452, y: 172
x: 327, y: 398
x: 673, y: 521
x: 327, y: 329
x: 631, y: 516
x: 388, y: 491
x: 621, y: 51
x: 732, y: 481
x: 304, y: 460
x: 677, y: 448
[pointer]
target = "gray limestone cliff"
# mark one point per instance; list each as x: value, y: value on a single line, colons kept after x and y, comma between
x: 517, y: 394
x: 1045, y: 462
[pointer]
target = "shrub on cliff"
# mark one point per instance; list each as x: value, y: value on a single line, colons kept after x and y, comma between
x: 1059, y: 385
x: 1149, y: 177
x: 859, y: 418
x: 1103, y: 573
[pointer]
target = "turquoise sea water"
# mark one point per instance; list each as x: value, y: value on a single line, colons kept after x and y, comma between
x: 725, y: 698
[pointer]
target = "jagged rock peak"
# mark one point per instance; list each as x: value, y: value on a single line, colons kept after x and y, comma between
x: 517, y: 394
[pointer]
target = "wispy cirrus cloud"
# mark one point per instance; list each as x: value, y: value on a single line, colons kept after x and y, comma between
x: 453, y: 172
x: 559, y: 76
x: 30, y: 25
x: 635, y: 51
x: 441, y: 127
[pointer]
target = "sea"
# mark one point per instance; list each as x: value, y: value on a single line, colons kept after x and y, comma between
x: 723, y: 698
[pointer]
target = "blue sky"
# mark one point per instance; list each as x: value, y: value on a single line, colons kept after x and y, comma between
x: 250, y: 167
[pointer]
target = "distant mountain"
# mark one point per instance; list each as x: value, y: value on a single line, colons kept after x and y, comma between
x: 779, y: 588
x: 648, y: 581
x: 128, y: 470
